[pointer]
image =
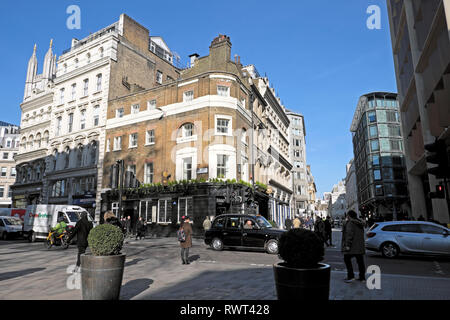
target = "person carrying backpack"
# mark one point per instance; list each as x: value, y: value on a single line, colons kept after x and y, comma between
x: 185, y: 228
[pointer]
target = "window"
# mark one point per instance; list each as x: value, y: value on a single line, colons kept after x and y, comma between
x: 219, y: 223
x: 165, y: 210
x: 378, y: 190
x: 376, y: 160
x: 88, y: 58
x: 8, y: 144
x: 395, y: 145
x: 5, y: 155
x: 119, y: 113
x: 392, y: 116
x: 99, y: 82
x: 394, y: 131
x: 159, y: 77
x: 2, y: 191
x: 374, y: 145
x: 233, y: 223
x: 188, y: 96
x: 76, y: 63
x: 373, y: 131
x: 135, y: 108
x: 185, y: 207
x: 188, y: 130
x: 132, y: 168
x: 410, y: 228
x: 426, y: 228
x: 74, y: 91
x: 150, y: 137
x: 372, y: 117
x: 83, y: 120
x: 222, y: 162
x: 148, y: 173
x: 133, y: 140
x: 58, y: 126
x: 151, y: 104
x: 61, y: 96
x: 377, y: 174
x: 223, y: 91
x: 86, y: 87
x: 96, y: 115
x: 117, y: 143
x: 4, y: 171
x: 187, y: 168
x: 222, y: 125
x: 13, y: 172
x: 70, y: 122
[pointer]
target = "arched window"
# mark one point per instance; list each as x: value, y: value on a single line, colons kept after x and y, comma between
x: 46, y: 138
x: 79, y: 155
x: 187, y: 130
x: 38, y: 140
x: 24, y: 143
x: 31, y: 141
x: 54, y: 159
x: 67, y: 157
x: 93, y: 154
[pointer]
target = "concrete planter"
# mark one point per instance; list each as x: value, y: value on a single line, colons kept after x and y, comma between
x: 302, y: 284
x: 101, y: 276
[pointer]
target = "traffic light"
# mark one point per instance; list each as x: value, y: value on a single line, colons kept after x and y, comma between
x: 438, y: 155
x: 130, y: 180
x: 247, y: 195
x: 439, y: 194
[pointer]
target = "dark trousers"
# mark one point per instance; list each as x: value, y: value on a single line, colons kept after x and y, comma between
x: 361, y: 265
x: 185, y: 255
x: 328, y: 238
x: 81, y: 250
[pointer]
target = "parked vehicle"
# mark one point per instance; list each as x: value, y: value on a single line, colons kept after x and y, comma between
x: 408, y: 237
x: 39, y: 219
x: 10, y: 227
x: 228, y: 231
x: 13, y: 212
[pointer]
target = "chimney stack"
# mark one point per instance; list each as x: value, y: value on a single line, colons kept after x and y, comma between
x: 193, y: 57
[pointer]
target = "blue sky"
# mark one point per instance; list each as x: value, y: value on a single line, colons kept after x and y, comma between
x: 319, y: 55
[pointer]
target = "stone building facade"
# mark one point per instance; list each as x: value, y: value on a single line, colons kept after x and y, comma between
x: 9, y: 147
x: 74, y: 92
x: 421, y: 48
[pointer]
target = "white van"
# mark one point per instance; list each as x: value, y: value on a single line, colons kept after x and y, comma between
x: 41, y: 217
x: 10, y: 227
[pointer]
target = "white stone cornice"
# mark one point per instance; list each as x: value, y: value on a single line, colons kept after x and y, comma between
x: 37, y: 102
x: 82, y: 70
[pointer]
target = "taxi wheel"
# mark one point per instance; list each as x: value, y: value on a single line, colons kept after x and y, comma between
x: 272, y: 246
x: 217, y: 244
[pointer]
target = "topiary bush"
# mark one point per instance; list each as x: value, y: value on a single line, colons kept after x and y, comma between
x: 105, y: 240
x: 300, y: 248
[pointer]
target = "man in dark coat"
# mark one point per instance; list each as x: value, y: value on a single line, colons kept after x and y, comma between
x: 353, y: 246
x: 328, y: 231
x: 185, y: 245
x: 81, y: 230
x: 140, y: 229
x: 110, y: 218
x: 128, y: 225
x: 319, y: 228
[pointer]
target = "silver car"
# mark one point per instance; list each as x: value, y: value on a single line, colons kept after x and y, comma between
x: 408, y: 237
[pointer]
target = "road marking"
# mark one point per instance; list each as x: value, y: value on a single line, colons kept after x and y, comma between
x: 405, y: 276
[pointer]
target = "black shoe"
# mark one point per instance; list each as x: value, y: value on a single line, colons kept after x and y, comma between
x: 349, y: 280
x: 188, y: 263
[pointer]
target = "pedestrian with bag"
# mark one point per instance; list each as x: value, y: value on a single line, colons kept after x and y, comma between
x: 81, y: 230
x: 319, y: 229
x: 185, y: 239
x: 353, y: 246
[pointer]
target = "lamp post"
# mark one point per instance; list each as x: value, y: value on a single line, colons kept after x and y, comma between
x: 121, y: 169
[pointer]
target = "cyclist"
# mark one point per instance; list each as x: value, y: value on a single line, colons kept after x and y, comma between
x: 60, y: 227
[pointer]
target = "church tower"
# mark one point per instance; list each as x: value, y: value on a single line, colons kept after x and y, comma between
x: 49, y: 65
x: 31, y: 74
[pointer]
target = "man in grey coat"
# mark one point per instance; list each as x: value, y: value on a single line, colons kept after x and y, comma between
x: 353, y: 246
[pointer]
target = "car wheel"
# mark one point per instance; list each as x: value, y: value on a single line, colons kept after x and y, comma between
x: 272, y: 246
x: 217, y: 244
x: 390, y: 250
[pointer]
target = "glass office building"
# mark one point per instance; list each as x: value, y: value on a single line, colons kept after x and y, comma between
x: 379, y: 157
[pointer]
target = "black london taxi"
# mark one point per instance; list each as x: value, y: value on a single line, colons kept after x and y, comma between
x: 243, y: 231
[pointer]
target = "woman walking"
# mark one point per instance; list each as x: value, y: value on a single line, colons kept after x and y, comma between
x: 185, y: 245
